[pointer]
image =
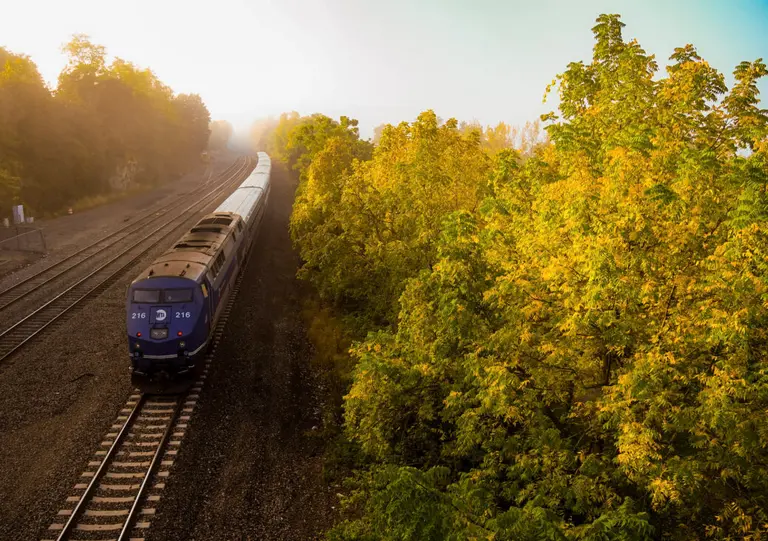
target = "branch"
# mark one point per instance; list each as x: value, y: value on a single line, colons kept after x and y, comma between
x: 666, y: 310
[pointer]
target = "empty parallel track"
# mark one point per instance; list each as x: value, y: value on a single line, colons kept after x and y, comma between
x: 123, y: 483
x: 24, y: 330
x: 63, y: 268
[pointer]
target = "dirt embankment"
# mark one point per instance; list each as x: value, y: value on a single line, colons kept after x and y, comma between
x: 248, y: 468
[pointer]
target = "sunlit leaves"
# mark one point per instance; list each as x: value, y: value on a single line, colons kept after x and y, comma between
x: 572, y: 335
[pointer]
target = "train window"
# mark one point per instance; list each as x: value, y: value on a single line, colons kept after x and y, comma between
x: 177, y: 295
x: 146, y: 295
x: 208, y: 229
x: 217, y: 264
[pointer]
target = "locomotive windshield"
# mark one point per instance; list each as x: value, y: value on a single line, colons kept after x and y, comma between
x: 167, y: 295
x: 146, y: 295
x: 177, y: 295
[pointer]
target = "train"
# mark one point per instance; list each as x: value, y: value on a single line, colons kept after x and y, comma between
x: 174, y: 305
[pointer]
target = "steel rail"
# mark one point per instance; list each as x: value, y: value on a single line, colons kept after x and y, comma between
x: 156, y: 458
x: 96, y: 479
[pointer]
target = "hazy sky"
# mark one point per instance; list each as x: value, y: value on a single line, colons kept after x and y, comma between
x: 375, y: 60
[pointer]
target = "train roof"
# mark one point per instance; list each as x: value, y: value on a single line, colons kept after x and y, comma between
x: 242, y: 202
x: 257, y: 179
x: 190, y: 256
x: 174, y: 269
x: 244, y: 199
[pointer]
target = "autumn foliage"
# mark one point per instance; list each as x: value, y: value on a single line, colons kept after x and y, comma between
x: 103, y: 128
x: 565, y: 342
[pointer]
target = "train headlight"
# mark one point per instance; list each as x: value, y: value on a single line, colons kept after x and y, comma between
x: 158, y: 334
x: 182, y: 344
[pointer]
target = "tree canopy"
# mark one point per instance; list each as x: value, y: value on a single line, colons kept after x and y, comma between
x: 102, y: 120
x: 563, y: 340
x: 221, y: 133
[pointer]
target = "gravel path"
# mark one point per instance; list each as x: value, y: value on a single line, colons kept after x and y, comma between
x: 248, y: 467
x: 58, y: 397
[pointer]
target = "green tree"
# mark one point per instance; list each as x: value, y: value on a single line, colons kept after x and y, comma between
x: 381, y: 217
x: 560, y: 336
x: 574, y: 340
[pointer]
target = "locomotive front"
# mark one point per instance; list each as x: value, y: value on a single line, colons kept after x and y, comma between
x: 167, y: 320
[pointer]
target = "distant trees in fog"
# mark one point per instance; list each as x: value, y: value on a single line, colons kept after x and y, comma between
x: 105, y: 127
x: 221, y: 133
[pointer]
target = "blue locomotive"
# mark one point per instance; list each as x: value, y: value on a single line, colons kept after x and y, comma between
x: 173, y: 305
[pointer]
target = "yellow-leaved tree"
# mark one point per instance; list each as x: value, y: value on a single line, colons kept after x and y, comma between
x: 562, y: 341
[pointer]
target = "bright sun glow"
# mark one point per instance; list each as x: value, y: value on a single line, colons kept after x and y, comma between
x: 378, y: 61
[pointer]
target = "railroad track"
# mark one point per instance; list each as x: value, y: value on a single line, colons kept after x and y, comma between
x: 123, y: 483
x: 133, y: 459
x: 61, y: 269
x: 23, y: 331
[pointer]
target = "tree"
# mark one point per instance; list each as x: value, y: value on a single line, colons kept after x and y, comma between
x: 377, y: 132
x: 563, y: 341
x: 86, y: 64
x: 382, y: 215
x: 560, y: 336
x: 58, y: 148
x: 278, y: 136
x: 193, y: 120
x: 262, y: 135
x: 221, y: 132
x: 9, y: 188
